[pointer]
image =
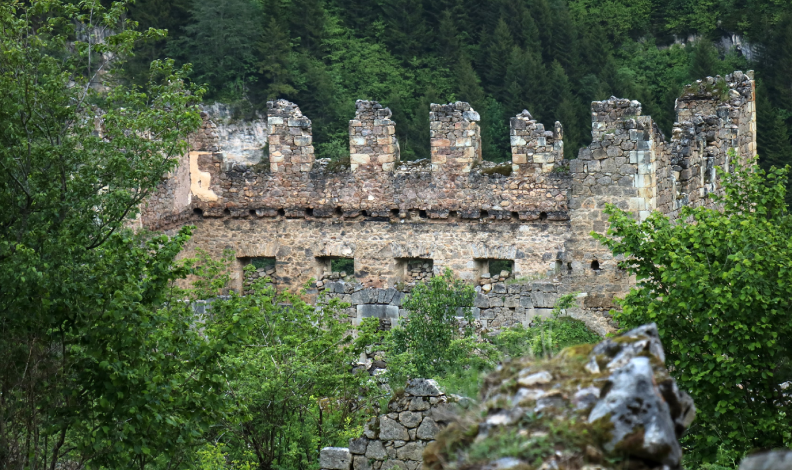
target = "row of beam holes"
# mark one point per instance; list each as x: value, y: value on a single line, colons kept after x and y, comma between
x: 395, y: 212
x: 595, y: 266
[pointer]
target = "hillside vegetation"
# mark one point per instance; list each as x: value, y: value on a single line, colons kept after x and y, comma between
x: 552, y: 57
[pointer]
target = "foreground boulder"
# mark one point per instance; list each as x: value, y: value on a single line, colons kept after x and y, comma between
x: 612, y: 405
x: 775, y: 460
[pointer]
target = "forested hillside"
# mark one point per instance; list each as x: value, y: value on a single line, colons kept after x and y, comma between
x: 552, y: 57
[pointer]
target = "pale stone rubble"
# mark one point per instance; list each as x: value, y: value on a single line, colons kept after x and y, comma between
x: 578, y: 410
x: 396, y: 439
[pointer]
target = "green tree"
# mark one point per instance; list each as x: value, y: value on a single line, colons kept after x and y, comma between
x: 717, y: 283
x: 100, y: 360
x: 219, y: 42
x: 293, y: 382
x: 432, y: 340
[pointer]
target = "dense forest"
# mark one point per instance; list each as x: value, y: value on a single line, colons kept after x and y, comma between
x: 552, y: 57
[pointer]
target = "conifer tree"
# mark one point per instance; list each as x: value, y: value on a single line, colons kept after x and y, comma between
x: 274, y: 48
x: 495, y: 60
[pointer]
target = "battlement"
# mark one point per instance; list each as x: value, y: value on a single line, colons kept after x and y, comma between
x: 456, y: 210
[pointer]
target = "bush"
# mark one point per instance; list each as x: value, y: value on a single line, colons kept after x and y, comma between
x: 718, y: 284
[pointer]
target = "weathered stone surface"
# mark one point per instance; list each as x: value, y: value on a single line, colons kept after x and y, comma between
x: 391, y: 430
x: 335, y: 458
x: 776, y: 460
x: 423, y: 388
x: 445, y: 412
x: 360, y: 462
x: 410, y: 419
x: 419, y: 404
x: 410, y: 451
x: 629, y: 397
x: 428, y: 429
x: 376, y: 450
x: 358, y: 446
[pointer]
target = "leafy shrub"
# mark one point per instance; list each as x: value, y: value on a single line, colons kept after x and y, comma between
x: 433, y: 339
x: 718, y: 284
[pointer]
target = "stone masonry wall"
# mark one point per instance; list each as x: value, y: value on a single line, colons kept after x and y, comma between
x: 506, y: 305
x: 372, y: 138
x: 452, y: 213
x: 397, y: 438
x: 534, y: 150
x: 290, y: 138
x: 714, y: 116
x: 455, y: 137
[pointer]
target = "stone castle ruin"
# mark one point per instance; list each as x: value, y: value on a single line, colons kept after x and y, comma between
x: 395, y: 222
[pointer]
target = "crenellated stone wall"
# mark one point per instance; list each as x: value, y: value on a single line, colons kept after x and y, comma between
x: 372, y: 138
x: 455, y: 137
x: 535, y: 150
x: 290, y: 138
x: 453, y: 212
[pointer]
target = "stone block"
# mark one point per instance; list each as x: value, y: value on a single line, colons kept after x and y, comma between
x: 335, y: 458
x: 360, y: 462
x: 544, y: 299
x: 444, y: 412
x: 423, y: 388
x: 376, y: 450
x: 391, y: 430
x: 377, y: 311
x: 411, y: 451
x: 428, y: 429
x: 410, y: 419
x: 358, y: 446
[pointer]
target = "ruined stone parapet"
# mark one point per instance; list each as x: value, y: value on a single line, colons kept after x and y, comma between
x: 372, y: 138
x: 397, y: 438
x: 455, y: 137
x: 715, y: 115
x: 290, y: 139
x: 535, y: 150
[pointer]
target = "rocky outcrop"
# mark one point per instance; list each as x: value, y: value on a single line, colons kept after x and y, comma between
x: 776, y: 460
x: 397, y: 438
x: 604, y: 406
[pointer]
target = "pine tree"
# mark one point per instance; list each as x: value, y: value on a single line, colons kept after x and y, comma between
x: 495, y: 59
x: 219, y: 42
x: 274, y: 50
x: 704, y: 59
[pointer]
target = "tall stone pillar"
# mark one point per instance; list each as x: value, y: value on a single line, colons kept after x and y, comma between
x: 372, y: 138
x: 535, y: 150
x: 290, y: 139
x: 455, y: 137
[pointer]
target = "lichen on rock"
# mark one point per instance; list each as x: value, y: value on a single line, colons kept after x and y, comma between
x: 605, y: 406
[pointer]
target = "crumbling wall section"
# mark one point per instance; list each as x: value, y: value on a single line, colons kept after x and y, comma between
x: 455, y: 137
x: 535, y: 151
x: 372, y: 138
x: 396, y: 439
x: 617, y: 168
x: 715, y: 115
x: 290, y: 139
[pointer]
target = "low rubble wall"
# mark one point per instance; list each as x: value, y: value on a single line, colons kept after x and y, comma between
x: 397, y: 439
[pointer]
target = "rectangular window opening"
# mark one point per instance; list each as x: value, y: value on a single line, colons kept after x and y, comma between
x: 335, y: 268
x: 264, y: 266
x: 414, y: 270
x: 494, y: 270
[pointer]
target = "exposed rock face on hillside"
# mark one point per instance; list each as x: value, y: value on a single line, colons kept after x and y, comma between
x: 591, y: 407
